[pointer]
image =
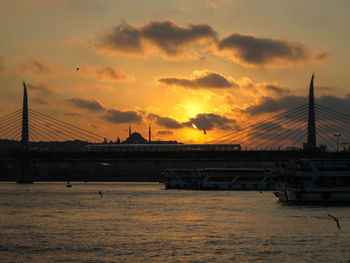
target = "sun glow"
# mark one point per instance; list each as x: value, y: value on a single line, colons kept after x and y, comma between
x: 194, y: 126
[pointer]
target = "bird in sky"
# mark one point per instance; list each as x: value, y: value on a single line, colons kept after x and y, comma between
x: 335, y: 219
x: 77, y: 68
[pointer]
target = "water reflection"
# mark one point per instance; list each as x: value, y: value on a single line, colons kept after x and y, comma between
x: 145, y: 223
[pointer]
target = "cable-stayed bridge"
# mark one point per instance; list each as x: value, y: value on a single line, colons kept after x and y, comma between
x: 290, y: 129
x: 298, y: 128
x: 27, y: 125
x: 306, y: 130
x: 303, y: 127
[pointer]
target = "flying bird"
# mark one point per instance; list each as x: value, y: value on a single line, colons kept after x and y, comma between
x: 335, y: 219
x: 100, y: 193
x: 77, y: 68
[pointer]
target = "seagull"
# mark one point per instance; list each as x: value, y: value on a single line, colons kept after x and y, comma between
x: 335, y: 219
x: 100, y: 193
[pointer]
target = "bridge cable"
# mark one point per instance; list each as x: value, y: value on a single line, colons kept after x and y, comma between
x: 257, y: 124
x: 70, y: 125
x: 265, y: 125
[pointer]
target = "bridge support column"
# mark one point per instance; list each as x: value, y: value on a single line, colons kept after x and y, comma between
x: 24, y: 175
x: 311, y: 129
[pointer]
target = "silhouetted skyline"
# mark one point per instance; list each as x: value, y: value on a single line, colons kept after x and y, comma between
x: 221, y: 65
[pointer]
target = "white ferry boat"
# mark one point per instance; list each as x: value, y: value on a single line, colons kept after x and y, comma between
x: 314, y: 181
x: 220, y: 179
x: 181, y: 178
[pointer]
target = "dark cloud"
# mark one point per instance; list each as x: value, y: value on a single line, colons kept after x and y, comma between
x: 72, y: 114
x: 112, y: 74
x: 168, y: 123
x: 105, y: 73
x: 276, y: 89
x: 117, y: 116
x: 172, y: 38
x: 165, y: 133
x: 36, y: 66
x: 204, y: 121
x: 123, y: 38
x: 165, y: 121
x: 335, y: 103
x: 89, y: 104
x: 322, y: 56
x: 208, y: 121
x: 41, y: 101
x: 205, y: 80
x: 271, y: 105
x: 325, y: 88
x: 253, y: 50
x: 165, y: 35
x: 41, y: 88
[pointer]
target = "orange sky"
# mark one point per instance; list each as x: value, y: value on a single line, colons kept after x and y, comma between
x: 221, y: 64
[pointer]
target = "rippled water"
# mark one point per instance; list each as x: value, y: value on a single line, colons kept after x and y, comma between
x: 47, y: 222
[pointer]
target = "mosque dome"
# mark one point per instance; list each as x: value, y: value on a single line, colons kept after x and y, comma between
x: 135, y: 138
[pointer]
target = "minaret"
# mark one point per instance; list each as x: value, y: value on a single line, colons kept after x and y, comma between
x: 311, y: 129
x: 25, y: 130
x: 149, y: 134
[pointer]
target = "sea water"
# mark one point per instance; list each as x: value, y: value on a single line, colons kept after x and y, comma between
x: 143, y: 222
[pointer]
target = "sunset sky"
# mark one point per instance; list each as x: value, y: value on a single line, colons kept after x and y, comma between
x: 220, y: 64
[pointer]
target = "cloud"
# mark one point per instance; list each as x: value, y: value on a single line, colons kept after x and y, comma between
x: 166, y: 122
x: 325, y: 88
x: 164, y: 133
x: 204, y: 121
x: 108, y: 73
x: 322, y: 56
x: 90, y: 104
x: 208, y: 121
x: 105, y: 73
x: 37, y: 66
x: 117, y: 116
x: 278, y: 90
x: 41, y: 101
x: 41, y: 88
x: 201, y: 79
x: 271, y: 105
x: 182, y: 42
x: 335, y: 103
x: 162, y: 35
x: 72, y: 114
x: 256, y: 51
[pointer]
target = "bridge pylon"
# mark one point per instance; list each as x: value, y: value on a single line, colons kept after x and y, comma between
x: 311, y: 127
x: 24, y: 175
x: 25, y: 128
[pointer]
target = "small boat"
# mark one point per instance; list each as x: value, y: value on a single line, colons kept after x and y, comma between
x: 68, y: 184
x: 314, y: 181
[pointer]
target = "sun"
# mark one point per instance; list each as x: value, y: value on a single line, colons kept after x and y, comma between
x: 192, y: 108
